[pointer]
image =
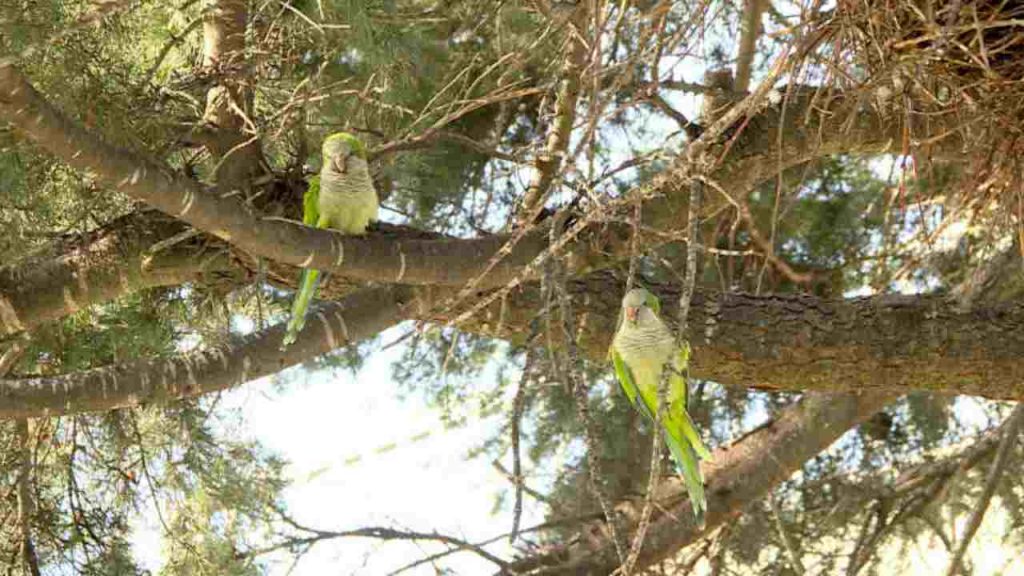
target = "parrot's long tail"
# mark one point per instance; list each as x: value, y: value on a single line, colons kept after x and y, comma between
x: 300, y: 305
x: 686, y: 458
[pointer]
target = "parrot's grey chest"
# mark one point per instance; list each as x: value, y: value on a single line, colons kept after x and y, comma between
x: 644, y: 344
x: 355, y: 182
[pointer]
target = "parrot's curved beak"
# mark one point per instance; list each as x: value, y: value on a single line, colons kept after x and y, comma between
x: 632, y: 312
x: 340, y: 163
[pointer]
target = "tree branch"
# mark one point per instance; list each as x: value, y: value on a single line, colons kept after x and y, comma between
x: 812, y: 129
x: 235, y: 145
x: 740, y: 474
x: 100, y: 266
x: 1010, y: 433
x: 549, y: 162
x: 26, y: 506
x: 357, y: 317
x: 891, y: 343
x: 750, y: 29
x: 376, y: 532
x: 881, y: 344
x: 788, y: 544
x: 377, y: 257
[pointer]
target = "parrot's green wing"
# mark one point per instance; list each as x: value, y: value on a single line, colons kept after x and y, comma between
x: 310, y: 202
x: 679, y: 398
x: 691, y: 434
x: 684, y: 442
x: 310, y: 278
x: 686, y: 458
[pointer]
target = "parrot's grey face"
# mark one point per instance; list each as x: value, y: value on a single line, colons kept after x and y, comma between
x: 634, y: 304
x: 338, y: 155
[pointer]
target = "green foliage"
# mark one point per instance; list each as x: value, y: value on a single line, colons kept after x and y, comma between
x: 413, y: 73
x: 133, y: 327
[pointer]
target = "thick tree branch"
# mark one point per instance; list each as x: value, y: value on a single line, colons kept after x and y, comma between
x: 750, y: 29
x: 357, y: 317
x: 812, y: 128
x: 235, y: 145
x: 891, y: 343
x: 739, y: 475
x: 882, y: 344
x: 549, y: 162
x: 130, y: 253
x: 373, y: 258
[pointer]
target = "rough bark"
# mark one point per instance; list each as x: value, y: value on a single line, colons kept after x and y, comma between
x: 811, y: 125
x: 788, y: 342
x: 234, y: 144
x: 100, y: 266
x: 883, y: 344
x: 548, y: 163
x: 740, y: 474
x: 357, y: 317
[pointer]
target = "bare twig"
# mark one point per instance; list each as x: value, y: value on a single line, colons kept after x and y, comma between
x: 659, y: 102
x: 536, y: 528
x: 693, y: 222
x: 645, y: 515
x: 1013, y: 426
x: 787, y: 540
x: 634, y: 247
x: 763, y: 243
x: 517, y: 466
x: 500, y: 468
x: 169, y: 45
x: 376, y: 532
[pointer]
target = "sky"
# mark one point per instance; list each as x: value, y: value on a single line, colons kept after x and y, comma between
x: 321, y: 420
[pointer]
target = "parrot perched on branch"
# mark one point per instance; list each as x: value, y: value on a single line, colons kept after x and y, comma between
x: 341, y: 198
x: 643, y: 347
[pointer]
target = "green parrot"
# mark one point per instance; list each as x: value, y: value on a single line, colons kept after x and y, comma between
x: 341, y: 198
x: 641, y: 349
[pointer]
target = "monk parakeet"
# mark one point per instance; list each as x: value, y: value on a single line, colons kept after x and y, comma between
x: 341, y: 198
x: 643, y: 347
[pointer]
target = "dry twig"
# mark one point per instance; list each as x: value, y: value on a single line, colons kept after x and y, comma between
x: 1010, y: 432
